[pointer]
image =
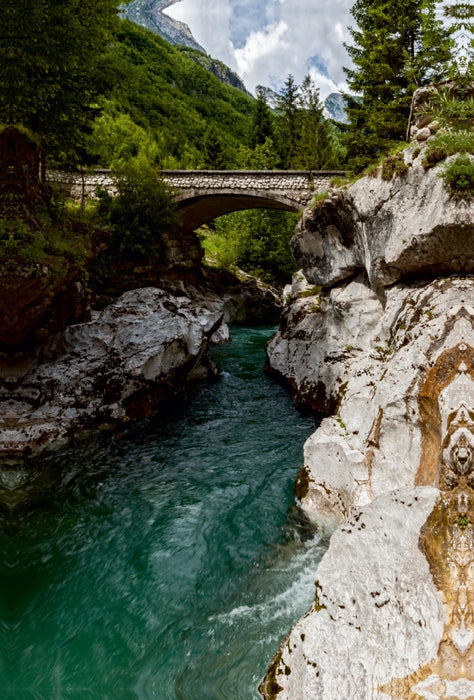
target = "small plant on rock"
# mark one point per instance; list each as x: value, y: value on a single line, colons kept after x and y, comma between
x: 459, y: 175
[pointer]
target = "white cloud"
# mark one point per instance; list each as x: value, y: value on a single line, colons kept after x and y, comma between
x: 209, y: 21
x: 300, y: 36
x: 260, y: 47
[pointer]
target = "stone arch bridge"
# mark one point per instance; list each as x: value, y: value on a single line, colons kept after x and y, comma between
x: 203, y: 195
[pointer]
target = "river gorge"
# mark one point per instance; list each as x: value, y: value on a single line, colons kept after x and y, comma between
x: 171, y: 553
x: 168, y: 563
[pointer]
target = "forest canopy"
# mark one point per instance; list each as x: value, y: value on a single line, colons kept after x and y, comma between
x: 50, y: 64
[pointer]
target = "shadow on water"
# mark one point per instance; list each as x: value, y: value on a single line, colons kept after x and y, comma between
x: 165, y: 564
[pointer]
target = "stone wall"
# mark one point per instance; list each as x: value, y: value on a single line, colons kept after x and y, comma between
x: 298, y: 185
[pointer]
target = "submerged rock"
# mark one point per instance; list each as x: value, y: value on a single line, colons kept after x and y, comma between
x: 129, y: 361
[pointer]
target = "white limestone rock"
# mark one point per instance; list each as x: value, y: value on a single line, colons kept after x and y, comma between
x: 362, y: 359
x: 377, y: 614
x: 130, y: 360
x: 387, y: 227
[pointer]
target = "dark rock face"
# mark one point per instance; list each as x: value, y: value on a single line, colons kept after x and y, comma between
x: 39, y: 288
x: 149, y: 13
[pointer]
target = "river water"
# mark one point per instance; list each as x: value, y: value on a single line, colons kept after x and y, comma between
x: 166, y: 564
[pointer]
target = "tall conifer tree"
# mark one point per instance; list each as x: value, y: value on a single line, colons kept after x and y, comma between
x: 314, y: 149
x: 289, y: 122
x: 391, y: 58
x: 262, y: 126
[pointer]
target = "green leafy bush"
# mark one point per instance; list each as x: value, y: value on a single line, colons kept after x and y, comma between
x: 459, y: 175
x: 141, y: 213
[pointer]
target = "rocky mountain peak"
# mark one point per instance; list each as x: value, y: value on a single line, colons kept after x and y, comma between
x: 150, y: 14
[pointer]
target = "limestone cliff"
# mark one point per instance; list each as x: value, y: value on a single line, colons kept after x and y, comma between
x: 150, y: 14
x: 378, y: 334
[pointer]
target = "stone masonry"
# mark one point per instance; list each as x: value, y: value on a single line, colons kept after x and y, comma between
x: 295, y: 186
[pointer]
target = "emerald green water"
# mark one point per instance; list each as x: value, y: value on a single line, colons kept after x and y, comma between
x: 168, y: 564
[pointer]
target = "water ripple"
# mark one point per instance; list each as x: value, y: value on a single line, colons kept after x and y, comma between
x: 167, y: 564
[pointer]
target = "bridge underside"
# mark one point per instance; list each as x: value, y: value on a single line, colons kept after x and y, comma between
x: 201, y: 209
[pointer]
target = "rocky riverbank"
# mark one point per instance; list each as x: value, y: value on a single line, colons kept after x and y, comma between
x: 379, y: 336
x: 128, y: 362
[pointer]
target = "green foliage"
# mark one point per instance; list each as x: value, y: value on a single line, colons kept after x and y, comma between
x: 214, y: 149
x: 50, y: 64
x: 391, y: 56
x: 141, y: 213
x: 459, y: 175
x: 115, y: 138
x: 53, y: 235
x: 393, y: 165
x: 262, y: 123
x: 305, y: 139
x: 314, y: 150
x: 263, y: 157
x: 289, y: 123
x: 257, y: 241
x: 164, y: 102
x: 319, y: 199
x: 447, y: 143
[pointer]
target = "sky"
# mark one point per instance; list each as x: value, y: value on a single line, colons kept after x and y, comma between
x: 265, y: 40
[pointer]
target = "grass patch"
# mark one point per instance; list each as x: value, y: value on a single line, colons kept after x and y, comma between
x: 448, y: 143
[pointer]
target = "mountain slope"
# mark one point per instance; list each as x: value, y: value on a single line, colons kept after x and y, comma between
x: 150, y: 14
x: 157, y: 93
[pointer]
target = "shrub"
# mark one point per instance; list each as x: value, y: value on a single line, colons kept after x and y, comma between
x: 459, y: 175
x: 142, y: 212
x: 393, y: 165
x: 447, y: 143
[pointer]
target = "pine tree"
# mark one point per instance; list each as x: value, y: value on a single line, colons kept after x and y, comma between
x: 390, y: 61
x: 314, y: 148
x: 50, y: 56
x: 262, y: 124
x: 289, y: 122
x: 214, y: 151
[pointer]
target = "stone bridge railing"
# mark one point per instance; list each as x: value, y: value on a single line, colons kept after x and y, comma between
x: 296, y: 185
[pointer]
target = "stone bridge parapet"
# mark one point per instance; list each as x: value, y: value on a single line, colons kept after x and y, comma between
x: 205, y: 194
x: 297, y: 184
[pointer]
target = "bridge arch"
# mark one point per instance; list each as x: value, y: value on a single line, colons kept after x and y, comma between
x: 203, y: 195
x: 199, y: 209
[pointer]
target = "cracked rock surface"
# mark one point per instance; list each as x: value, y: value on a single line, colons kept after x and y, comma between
x: 127, y: 362
x: 378, y: 335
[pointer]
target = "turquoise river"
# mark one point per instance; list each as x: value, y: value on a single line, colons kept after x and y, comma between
x: 168, y: 563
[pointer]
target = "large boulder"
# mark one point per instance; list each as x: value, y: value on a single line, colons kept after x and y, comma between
x: 129, y: 361
x: 390, y: 227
